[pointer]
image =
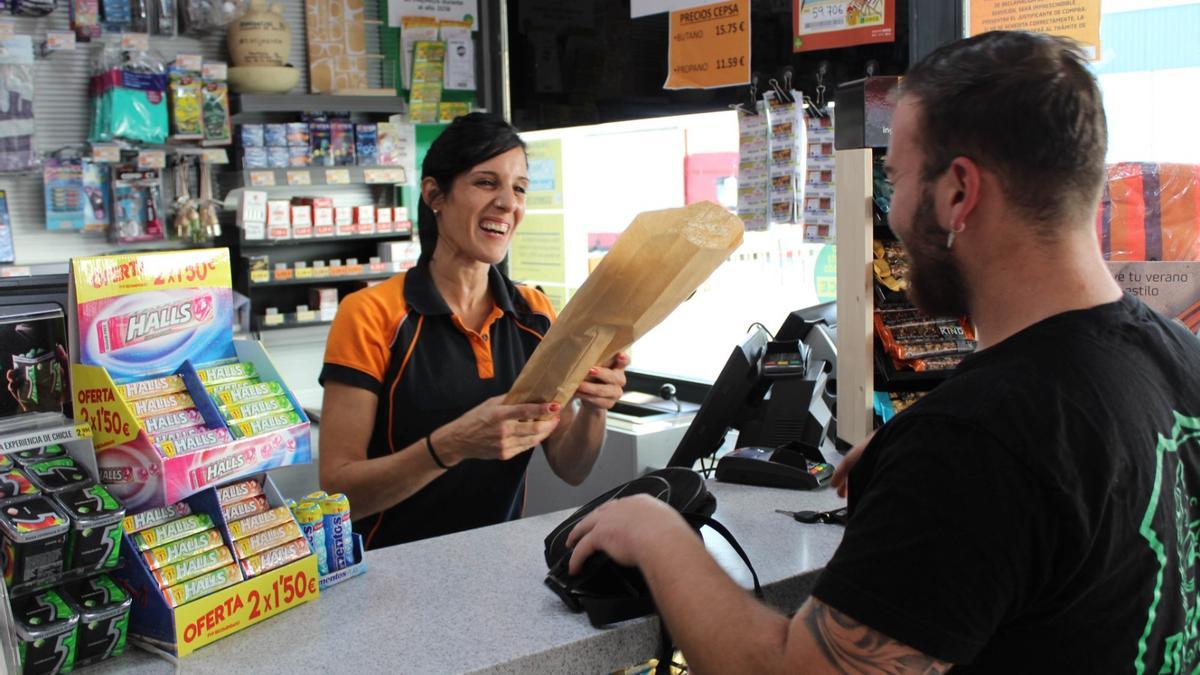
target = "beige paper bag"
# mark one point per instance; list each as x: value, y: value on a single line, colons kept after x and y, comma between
x: 660, y: 260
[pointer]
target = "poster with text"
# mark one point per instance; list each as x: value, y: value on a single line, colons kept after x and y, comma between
x: 1075, y: 19
x: 830, y: 24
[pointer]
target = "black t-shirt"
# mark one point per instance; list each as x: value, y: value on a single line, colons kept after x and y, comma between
x: 1037, y: 512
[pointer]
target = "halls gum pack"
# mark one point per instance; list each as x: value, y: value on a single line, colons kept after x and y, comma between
x: 267, y: 539
x: 201, y: 440
x: 158, y: 405
x: 171, y: 384
x: 225, y: 372
x: 118, y: 332
x: 263, y: 406
x: 182, y: 549
x: 157, y: 516
x: 178, y: 419
x: 168, y: 532
x: 202, y: 585
x: 249, y: 392
x: 264, y: 424
x: 238, y: 491
x: 240, y: 529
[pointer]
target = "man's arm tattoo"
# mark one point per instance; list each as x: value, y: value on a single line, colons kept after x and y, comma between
x: 851, y: 647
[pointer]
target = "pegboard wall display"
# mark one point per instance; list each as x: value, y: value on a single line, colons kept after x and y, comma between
x: 61, y: 79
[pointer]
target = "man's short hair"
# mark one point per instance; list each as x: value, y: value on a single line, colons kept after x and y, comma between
x: 1024, y: 105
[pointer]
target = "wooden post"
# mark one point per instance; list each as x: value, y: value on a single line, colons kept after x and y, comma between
x: 855, y: 300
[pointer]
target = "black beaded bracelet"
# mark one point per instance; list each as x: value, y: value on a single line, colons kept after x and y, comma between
x: 436, y: 459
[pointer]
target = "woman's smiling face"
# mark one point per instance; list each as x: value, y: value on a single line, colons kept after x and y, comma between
x: 478, y: 216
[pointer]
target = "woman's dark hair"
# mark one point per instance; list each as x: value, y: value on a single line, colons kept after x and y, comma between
x: 467, y: 142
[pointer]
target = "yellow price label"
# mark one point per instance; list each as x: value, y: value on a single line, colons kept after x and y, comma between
x: 299, y: 178
x: 262, y: 178
x: 260, y: 276
x: 337, y: 176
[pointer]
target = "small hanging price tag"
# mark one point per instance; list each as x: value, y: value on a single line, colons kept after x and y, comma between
x: 214, y: 156
x: 151, y: 159
x: 135, y: 42
x: 60, y: 40
x: 260, y: 276
x: 110, y: 154
x: 337, y: 176
x: 262, y: 178
x: 299, y: 178
x: 375, y: 176
x: 215, y: 70
x: 191, y: 62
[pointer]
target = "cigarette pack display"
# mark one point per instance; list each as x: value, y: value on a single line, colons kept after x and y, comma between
x: 364, y: 214
x: 156, y: 516
x: 255, y: 158
x: 278, y: 158
x: 367, y: 144
x: 252, y: 135
x: 343, y: 215
x: 320, y: 139
x: 276, y: 135
x: 297, y: 134
x: 298, y: 156
x: 342, y: 143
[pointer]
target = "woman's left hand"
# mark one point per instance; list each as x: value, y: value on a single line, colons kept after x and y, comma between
x: 604, y: 384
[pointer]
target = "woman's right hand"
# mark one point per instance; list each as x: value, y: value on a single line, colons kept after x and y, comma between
x: 493, y: 430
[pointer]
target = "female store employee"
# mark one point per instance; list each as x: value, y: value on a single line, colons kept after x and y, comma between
x: 413, y: 428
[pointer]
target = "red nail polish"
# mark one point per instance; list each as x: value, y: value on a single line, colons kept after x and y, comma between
x: 591, y: 371
x: 554, y: 407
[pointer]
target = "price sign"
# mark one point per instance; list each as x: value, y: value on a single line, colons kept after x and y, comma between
x: 106, y: 153
x: 135, y: 42
x: 709, y: 46
x: 151, y: 159
x: 214, y: 156
x: 305, y: 316
x: 215, y: 70
x: 337, y: 176
x: 189, y: 62
x: 260, y: 276
x: 374, y: 176
x: 60, y: 40
x: 262, y: 178
x: 273, y: 319
x: 299, y: 178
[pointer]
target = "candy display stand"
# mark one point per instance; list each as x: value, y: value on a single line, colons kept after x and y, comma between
x: 141, y: 316
x: 178, y: 631
x: 76, y: 440
x: 359, y: 566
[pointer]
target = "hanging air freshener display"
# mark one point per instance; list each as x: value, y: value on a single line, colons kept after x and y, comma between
x: 137, y: 205
x: 16, y: 104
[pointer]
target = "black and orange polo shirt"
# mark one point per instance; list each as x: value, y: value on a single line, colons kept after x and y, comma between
x: 400, y: 340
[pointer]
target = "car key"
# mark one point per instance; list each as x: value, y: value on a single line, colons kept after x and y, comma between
x: 837, y: 516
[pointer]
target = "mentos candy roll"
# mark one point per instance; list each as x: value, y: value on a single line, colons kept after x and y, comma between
x: 157, y: 516
x: 168, y: 532
x: 265, y: 424
x: 249, y: 392
x: 103, y: 618
x: 225, y: 372
x: 275, y: 557
x: 154, y: 322
x: 58, y: 475
x: 262, y: 406
x: 35, y: 536
x: 159, y: 386
x: 257, y: 543
x: 339, y: 539
x: 245, y: 508
x: 239, y: 491
x: 312, y: 524
x: 43, y: 454
x: 95, y: 541
x: 202, y: 440
x: 14, y: 483
x: 190, y: 568
x: 315, y: 496
x: 179, y: 419
x: 182, y: 549
x: 245, y: 527
x: 202, y: 585
x: 45, y: 627
x: 158, y: 405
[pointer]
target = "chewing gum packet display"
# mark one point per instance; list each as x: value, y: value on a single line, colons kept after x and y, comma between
x: 163, y: 514
x: 201, y: 586
x: 275, y: 557
x: 257, y: 543
x: 262, y: 406
x: 240, y: 529
x: 182, y: 549
x: 265, y: 423
x: 248, y: 392
x: 168, y: 532
x: 159, y: 386
x: 225, y: 373
x: 179, y: 419
x: 190, y: 568
x: 244, y: 508
x: 162, y: 404
x: 239, y: 491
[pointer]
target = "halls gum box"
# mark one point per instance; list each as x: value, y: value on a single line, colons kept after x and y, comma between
x: 171, y: 384
x: 238, y: 491
x: 182, y: 549
x: 249, y: 392
x: 157, y: 516
x: 265, y: 423
x: 225, y: 373
x: 240, y: 529
x: 158, y: 405
x: 168, y: 532
x: 262, y: 406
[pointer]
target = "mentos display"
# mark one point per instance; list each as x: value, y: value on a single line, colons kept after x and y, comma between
x: 180, y: 405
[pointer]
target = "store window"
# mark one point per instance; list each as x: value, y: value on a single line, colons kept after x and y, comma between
x: 612, y: 172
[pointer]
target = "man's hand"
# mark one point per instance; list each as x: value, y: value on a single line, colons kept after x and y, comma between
x: 841, y: 475
x: 624, y: 527
x: 604, y: 385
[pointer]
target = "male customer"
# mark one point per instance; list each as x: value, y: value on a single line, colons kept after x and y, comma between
x: 1037, y: 512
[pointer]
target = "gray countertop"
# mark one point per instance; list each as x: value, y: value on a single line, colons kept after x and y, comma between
x: 475, y: 602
